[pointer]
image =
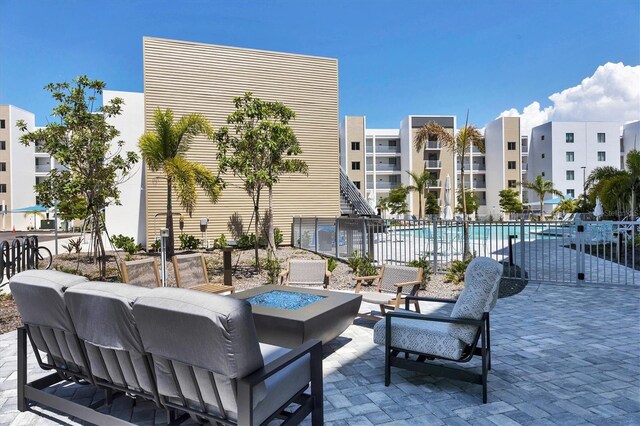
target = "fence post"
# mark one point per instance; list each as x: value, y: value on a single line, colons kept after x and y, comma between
x: 316, y: 234
x: 337, y: 237
x: 580, y: 261
x: 299, y: 232
x: 522, y: 249
x: 435, y: 245
x: 364, y: 236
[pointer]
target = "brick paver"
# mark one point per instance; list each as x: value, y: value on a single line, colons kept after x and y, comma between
x: 561, y: 355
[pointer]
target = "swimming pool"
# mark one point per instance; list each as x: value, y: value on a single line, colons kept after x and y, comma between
x: 494, y: 231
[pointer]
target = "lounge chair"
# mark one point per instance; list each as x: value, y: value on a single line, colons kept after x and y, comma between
x: 306, y: 272
x: 208, y: 361
x: 142, y: 273
x: 191, y: 272
x: 391, y: 286
x: 455, y: 338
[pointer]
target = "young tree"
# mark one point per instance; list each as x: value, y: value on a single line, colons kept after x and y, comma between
x: 81, y: 140
x: 165, y: 149
x: 260, y: 151
x: 510, y: 201
x: 396, y: 201
x: 459, y: 144
x: 470, y: 200
x: 431, y: 206
x: 541, y: 187
x: 421, y: 183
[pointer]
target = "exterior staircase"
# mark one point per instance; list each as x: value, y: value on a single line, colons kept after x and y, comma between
x: 351, y: 200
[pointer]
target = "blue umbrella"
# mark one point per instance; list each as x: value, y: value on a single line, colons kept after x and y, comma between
x: 31, y: 209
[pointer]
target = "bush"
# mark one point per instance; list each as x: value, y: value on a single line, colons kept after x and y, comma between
x: 220, y: 242
x: 362, y: 266
x: 156, y: 245
x: 128, y: 244
x: 272, y: 266
x: 425, y: 264
x: 332, y: 264
x: 189, y: 242
x: 278, y: 237
x: 456, y: 271
x: 247, y: 241
x: 73, y: 245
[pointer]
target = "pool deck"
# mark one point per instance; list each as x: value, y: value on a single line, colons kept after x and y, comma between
x: 562, y: 354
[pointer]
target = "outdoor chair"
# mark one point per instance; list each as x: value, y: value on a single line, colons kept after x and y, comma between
x: 103, y: 317
x: 208, y: 362
x: 306, y: 272
x: 392, y: 285
x: 191, y: 272
x: 454, y: 338
x: 142, y: 273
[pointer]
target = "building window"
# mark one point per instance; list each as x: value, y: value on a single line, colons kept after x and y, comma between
x: 355, y: 146
x: 570, y: 157
x: 571, y: 193
x: 3, y: 145
x: 3, y: 167
x: 355, y: 165
x: 511, y: 165
x: 392, y: 143
x: 542, y: 155
x: 542, y: 174
x: 511, y: 146
x: 568, y: 137
x: 601, y: 138
x: 3, y: 188
x: 511, y: 183
x: 357, y: 183
x: 542, y: 137
x: 2, y: 124
x: 570, y: 175
x: 602, y: 156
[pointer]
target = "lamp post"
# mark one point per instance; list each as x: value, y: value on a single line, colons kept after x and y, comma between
x: 164, y: 235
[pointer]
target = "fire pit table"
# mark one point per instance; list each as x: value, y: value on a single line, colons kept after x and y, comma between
x: 289, y: 316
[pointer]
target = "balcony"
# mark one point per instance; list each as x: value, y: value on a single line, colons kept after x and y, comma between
x: 476, y: 167
x: 382, y: 185
x: 433, y: 145
x: 385, y: 168
x: 432, y: 164
x: 384, y: 149
x: 43, y: 168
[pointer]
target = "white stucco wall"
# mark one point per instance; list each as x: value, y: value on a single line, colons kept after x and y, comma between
x: 22, y: 170
x: 630, y: 138
x: 494, y: 155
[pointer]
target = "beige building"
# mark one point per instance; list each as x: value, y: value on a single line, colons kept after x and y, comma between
x: 194, y: 77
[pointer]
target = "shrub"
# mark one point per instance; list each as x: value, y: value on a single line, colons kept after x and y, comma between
x: 332, y: 264
x: 272, y: 266
x: 278, y: 237
x: 247, y: 241
x: 362, y: 266
x: 128, y: 244
x: 424, y: 263
x: 73, y: 245
x: 156, y: 245
x: 220, y: 242
x: 189, y: 242
x: 456, y: 271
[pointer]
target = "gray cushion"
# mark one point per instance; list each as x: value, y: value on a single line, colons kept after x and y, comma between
x: 421, y: 336
x: 480, y: 280
x: 307, y: 271
x: 395, y: 274
x: 377, y: 298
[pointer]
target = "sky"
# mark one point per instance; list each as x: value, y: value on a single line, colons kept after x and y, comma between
x: 543, y: 59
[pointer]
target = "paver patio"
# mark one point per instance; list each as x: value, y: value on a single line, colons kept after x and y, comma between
x: 561, y: 355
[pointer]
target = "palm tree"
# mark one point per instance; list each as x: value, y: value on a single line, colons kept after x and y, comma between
x: 616, y: 187
x: 633, y: 168
x: 467, y: 137
x: 542, y: 187
x: 165, y: 149
x: 421, y: 182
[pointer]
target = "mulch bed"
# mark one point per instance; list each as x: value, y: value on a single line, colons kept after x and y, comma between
x: 9, y: 317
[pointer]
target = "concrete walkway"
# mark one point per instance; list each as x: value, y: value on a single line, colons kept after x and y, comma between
x: 561, y: 355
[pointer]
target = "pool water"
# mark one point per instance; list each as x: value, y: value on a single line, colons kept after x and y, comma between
x: 284, y: 299
x: 488, y: 232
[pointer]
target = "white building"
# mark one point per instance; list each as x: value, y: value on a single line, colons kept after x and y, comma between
x: 566, y: 152
x: 630, y: 140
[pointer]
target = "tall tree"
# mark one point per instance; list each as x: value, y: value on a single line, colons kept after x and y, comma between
x: 421, y: 183
x: 431, y: 206
x: 541, y: 187
x: 617, y: 188
x: 510, y: 201
x: 470, y: 201
x: 459, y: 145
x: 165, y: 149
x: 261, y: 149
x: 633, y: 167
x: 396, y: 201
x: 82, y: 141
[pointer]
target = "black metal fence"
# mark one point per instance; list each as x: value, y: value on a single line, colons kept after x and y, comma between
x: 16, y: 256
x: 550, y: 251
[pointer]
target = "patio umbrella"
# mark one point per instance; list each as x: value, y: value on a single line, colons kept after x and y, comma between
x: 448, y: 213
x: 31, y: 209
x: 598, y: 211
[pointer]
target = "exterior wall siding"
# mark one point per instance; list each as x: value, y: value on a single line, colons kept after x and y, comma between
x: 193, y: 77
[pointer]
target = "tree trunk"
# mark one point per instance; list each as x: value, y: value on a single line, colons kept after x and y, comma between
x: 420, y: 202
x: 256, y: 227
x: 169, y: 222
x: 465, y: 226
x: 633, y: 204
x: 541, y: 207
x: 271, y: 232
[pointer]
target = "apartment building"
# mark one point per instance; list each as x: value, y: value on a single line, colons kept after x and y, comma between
x: 566, y: 152
x: 21, y: 167
x: 630, y: 140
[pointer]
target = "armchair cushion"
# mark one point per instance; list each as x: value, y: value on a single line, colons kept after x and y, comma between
x: 394, y: 274
x: 420, y: 336
x: 307, y: 271
x: 480, y: 281
x: 377, y: 298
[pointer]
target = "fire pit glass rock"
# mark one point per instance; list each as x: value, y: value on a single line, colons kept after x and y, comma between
x: 284, y: 300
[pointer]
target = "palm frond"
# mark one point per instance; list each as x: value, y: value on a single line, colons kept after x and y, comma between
x: 180, y: 171
x: 208, y: 181
x: 432, y: 130
x: 187, y: 128
x: 151, y: 150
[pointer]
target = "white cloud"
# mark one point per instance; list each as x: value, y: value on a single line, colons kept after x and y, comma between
x: 612, y: 93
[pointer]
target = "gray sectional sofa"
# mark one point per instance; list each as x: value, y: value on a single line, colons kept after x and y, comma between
x: 188, y: 352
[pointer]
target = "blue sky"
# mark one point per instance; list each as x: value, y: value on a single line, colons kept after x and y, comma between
x: 395, y: 57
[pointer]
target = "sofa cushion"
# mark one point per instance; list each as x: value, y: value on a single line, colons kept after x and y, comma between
x: 480, y: 280
x: 422, y: 336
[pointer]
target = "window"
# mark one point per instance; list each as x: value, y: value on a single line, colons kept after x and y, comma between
x: 601, y: 138
x: 511, y: 183
x: 542, y: 137
x: 3, y: 167
x: 2, y: 124
x: 568, y: 137
x: 511, y: 146
x: 355, y: 146
x: 511, y: 165
x: 355, y: 165
x: 3, y: 188
x: 570, y: 157
x: 392, y: 143
x: 542, y: 174
x: 571, y: 175
x: 3, y: 145
x: 357, y: 183
x: 571, y: 193
x: 602, y: 156
x: 542, y: 155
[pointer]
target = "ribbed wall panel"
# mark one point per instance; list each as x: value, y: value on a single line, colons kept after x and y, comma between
x: 192, y: 77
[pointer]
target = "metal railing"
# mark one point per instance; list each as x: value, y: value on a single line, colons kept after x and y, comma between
x: 552, y: 251
x: 16, y: 256
x: 432, y: 164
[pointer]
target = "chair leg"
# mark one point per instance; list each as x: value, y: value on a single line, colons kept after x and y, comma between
x: 489, y: 340
x: 417, y: 306
x: 387, y: 368
x: 484, y: 365
x: 22, y: 368
x: 383, y: 310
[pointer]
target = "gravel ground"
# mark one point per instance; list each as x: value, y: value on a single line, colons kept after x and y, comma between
x: 244, y: 277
